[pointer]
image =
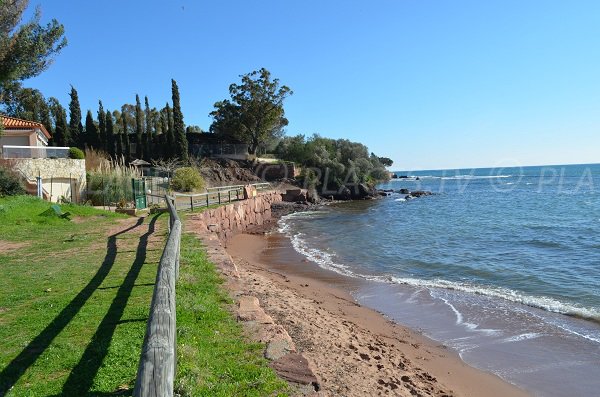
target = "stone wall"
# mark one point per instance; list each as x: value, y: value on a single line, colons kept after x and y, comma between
x: 236, y: 217
x: 60, y: 177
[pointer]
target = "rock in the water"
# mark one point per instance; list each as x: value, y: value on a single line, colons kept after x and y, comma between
x: 420, y: 193
x: 404, y: 191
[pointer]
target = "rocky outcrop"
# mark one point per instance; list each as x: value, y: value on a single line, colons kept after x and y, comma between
x: 358, y: 191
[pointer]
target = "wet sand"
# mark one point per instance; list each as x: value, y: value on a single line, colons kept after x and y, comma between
x: 355, y: 351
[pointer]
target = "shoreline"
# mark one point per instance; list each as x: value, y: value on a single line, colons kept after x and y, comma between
x: 342, y: 338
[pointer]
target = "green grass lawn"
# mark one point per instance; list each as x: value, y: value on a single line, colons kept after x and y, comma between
x: 74, y: 301
x: 74, y: 298
x: 213, y: 356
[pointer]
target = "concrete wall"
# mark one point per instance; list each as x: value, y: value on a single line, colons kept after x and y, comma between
x: 60, y: 177
x: 236, y: 217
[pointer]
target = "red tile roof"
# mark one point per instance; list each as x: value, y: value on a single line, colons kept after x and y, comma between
x: 12, y: 123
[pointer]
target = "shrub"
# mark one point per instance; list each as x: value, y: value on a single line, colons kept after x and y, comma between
x: 76, y: 153
x: 187, y: 179
x: 10, y: 183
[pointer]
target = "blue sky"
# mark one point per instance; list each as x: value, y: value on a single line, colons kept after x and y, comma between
x: 431, y: 84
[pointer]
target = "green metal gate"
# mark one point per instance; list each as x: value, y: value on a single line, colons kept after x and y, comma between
x: 139, y: 193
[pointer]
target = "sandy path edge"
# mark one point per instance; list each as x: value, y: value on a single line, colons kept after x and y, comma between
x: 355, y: 351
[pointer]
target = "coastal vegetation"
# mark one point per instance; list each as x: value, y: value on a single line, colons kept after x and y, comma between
x: 332, y: 164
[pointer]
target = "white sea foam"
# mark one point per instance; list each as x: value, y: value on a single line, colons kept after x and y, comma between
x: 459, y: 316
x: 526, y: 336
x: 540, y: 302
x: 400, y: 199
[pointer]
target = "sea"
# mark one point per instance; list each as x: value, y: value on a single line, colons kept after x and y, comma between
x: 501, y: 265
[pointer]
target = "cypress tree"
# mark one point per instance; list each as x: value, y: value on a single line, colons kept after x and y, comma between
x: 170, y: 138
x: 139, y: 129
x: 102, y: 136
x: 61, y: 134
x: 61, y: 128
x: 110, y: 135
x: 45, y: 118
x: 119, y: 145
x: 149, y: 132
x: 161, y: 141
x: 181, y: 144
x: 126, y: 143
x: 75, y: 127
x: 91, y: 131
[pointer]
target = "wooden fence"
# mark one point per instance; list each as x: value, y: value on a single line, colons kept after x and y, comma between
x: 156, y: 371
x: 214, y: 195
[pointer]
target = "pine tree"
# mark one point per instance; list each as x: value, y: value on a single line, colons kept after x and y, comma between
x: 139, y: 129
x: 170, y: 139
x: 75, y: 126
x: 91, y: 131
x: 110, y: 135
x: 102, y: 128
x: 181, y: 144
x: 149, y: 132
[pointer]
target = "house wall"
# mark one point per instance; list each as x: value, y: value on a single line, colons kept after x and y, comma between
x: 62, y: 177
x: 14, y: 140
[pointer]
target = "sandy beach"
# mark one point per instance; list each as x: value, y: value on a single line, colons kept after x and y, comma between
x: 354, y: 351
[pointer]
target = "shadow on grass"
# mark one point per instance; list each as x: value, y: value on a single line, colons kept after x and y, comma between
x: 82, y: 376
x: 17, y: 367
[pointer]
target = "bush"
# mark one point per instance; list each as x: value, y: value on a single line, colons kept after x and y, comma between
x: 187, y: 179
x: 10, y: 183
x: 76, y: 153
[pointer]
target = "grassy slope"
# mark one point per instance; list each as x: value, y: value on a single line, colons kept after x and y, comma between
x: 73, y: 307
x: 213, y: 357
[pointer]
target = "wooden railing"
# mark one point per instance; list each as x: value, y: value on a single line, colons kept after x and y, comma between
x: 214, y: 195
x: 156, y: 370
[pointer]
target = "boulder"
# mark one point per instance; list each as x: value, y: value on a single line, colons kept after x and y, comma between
x: 404, y: 191
x: 294, y: 368
x: 250, y: 310
x: 295, y: 195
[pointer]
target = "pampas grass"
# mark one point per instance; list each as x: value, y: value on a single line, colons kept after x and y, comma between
x: 109, y: 182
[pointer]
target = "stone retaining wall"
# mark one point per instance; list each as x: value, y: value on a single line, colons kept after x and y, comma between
x: 60, y: 177
x: 235, y: 217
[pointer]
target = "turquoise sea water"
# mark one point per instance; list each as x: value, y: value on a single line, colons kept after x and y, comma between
x: 503, y: 265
